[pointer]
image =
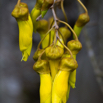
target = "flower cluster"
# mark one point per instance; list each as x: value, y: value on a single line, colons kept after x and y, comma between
x: 56, y: 61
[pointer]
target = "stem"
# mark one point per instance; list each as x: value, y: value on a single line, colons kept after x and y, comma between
x: 66, y: 48
x: 61, y: 35
x: 55, y: 17
x: 39, y: 17
x: 70, y: 28
x: 83, y: 6
x: 55, y: 39
x: 55, y: 22
x: 49, y: 38
x: 41, y: 55
x: 77, y: 30
x: 44, y: 38
x: 18, y: 3
x: 50, y: 33
x: 62, y: 7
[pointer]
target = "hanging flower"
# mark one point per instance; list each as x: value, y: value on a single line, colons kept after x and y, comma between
x: 21, y: 13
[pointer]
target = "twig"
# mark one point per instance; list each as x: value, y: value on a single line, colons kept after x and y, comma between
x: 70, y: 28
x: 55, y: 22
x: 18, y: 3
x: 83, y: 6
x: 62, y: 7
x: 55, y: 18
x: 41, y: 55
x: 50, y: 32
x: 66, y: 48
x: 39, y: 17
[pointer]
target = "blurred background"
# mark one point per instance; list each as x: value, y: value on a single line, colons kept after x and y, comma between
x: 19, y: 83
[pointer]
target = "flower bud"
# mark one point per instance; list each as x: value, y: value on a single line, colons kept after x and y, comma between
x: 38, y: 53
x: 54, y: 52
x: 75, y: 46
x: 46, y: 5
x: 82, y: 19
x: 39, y: 4
x: 21, y: 12
x: 68, y: 64
x: 36, y: 11
x: 65, y: 32
x: 34, y: 14
x: 42, y: 26
x: 42, y: 67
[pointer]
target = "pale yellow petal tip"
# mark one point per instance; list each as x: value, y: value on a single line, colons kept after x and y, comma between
x: 26, y: 53
x: 73, y: 87
x: 24, y: 56
x: 72, y: 84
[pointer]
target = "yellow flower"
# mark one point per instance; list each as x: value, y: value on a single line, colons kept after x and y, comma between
x: 25, y: 37
x: 21, y: 13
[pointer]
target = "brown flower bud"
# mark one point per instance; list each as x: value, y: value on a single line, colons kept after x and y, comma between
x: 41, y: 66
x: 65, y: 32
x: 47, y: 4
x: 68, y: 64
x: 75, y: 46
x: 82, y: 19
x: 42, y: 26
x: 21, y: 12
x: 54, y: 52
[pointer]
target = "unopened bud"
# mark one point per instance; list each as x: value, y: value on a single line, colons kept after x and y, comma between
x: 82, y: 19
x: 42, y: 67
x: 75, y: 46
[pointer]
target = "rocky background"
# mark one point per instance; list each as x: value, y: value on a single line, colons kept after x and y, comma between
x: 19, y: 83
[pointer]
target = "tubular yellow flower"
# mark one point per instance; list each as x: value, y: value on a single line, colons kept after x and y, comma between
x: 60, y: 90
x: 34, y: 14
x: 60, y: 87
x: 42, y: 67
x: 54, y: 53
x: 72, y: 77
x: 45, y: 88
x: 21, y: 13
x: 25, y: 37
x: 36, y: 11
x: 82, y: 20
